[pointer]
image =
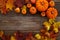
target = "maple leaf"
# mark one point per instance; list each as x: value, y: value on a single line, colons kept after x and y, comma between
x: 10, y: 4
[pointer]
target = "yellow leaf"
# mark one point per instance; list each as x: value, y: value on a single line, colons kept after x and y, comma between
x: 51, y: 21
x: 13, y: 38
x: 9, y: 4
x: 56, y: 24
x: 38, y: 36
x: 56, y: 30
x: 47, y: 25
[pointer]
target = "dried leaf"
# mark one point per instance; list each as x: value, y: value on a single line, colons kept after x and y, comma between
x: 10, y: 4
x: 2, y: 6
x: 2, y: 3
x: 3, y: 10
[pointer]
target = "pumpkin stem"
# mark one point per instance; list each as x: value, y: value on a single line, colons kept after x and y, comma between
x: 52, y: 12
x: 42, y: 3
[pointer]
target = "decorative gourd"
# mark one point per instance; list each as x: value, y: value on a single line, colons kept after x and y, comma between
x: 52, y: 3
x: 42, y: 5
x: 29, y: 5
x: 33, y: 1
x: 52, y: 13
x: 24, y: 11
x: 43, y: 14
x: 17, y: 10
x: 33, y: 10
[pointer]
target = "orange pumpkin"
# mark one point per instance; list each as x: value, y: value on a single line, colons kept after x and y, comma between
x: 52, y: 13
x: 42, y: 5
x: 51, y: 3
x: 33, y: 10
x: 29, y: 5
x: 17, y: 10
x: 24, y: 11
x: 43, y: 14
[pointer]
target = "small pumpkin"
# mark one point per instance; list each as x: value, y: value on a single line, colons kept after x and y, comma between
x: 24, y: 11
x: 43, y: 14
x: 52, y: 3
x: 42, y: 5
x: 33, y: 10
x: 29, y: 5
x: 52, y: 13
x: 33, y: 1
x: 17, y: 10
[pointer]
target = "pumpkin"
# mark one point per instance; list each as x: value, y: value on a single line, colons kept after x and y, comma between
x: 24, y: 11
x: 33, y: 1
x: 52, y: 13
x: 52, y: 3
x: 33, y: 10
x: 43, y: 14
x: 17, y: 10
x: 41, y: 5
x: 29, y: 5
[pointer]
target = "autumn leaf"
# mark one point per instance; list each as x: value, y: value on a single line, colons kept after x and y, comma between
x: 3, y: 6
x: 10, y: 4
x: 3, y: 10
